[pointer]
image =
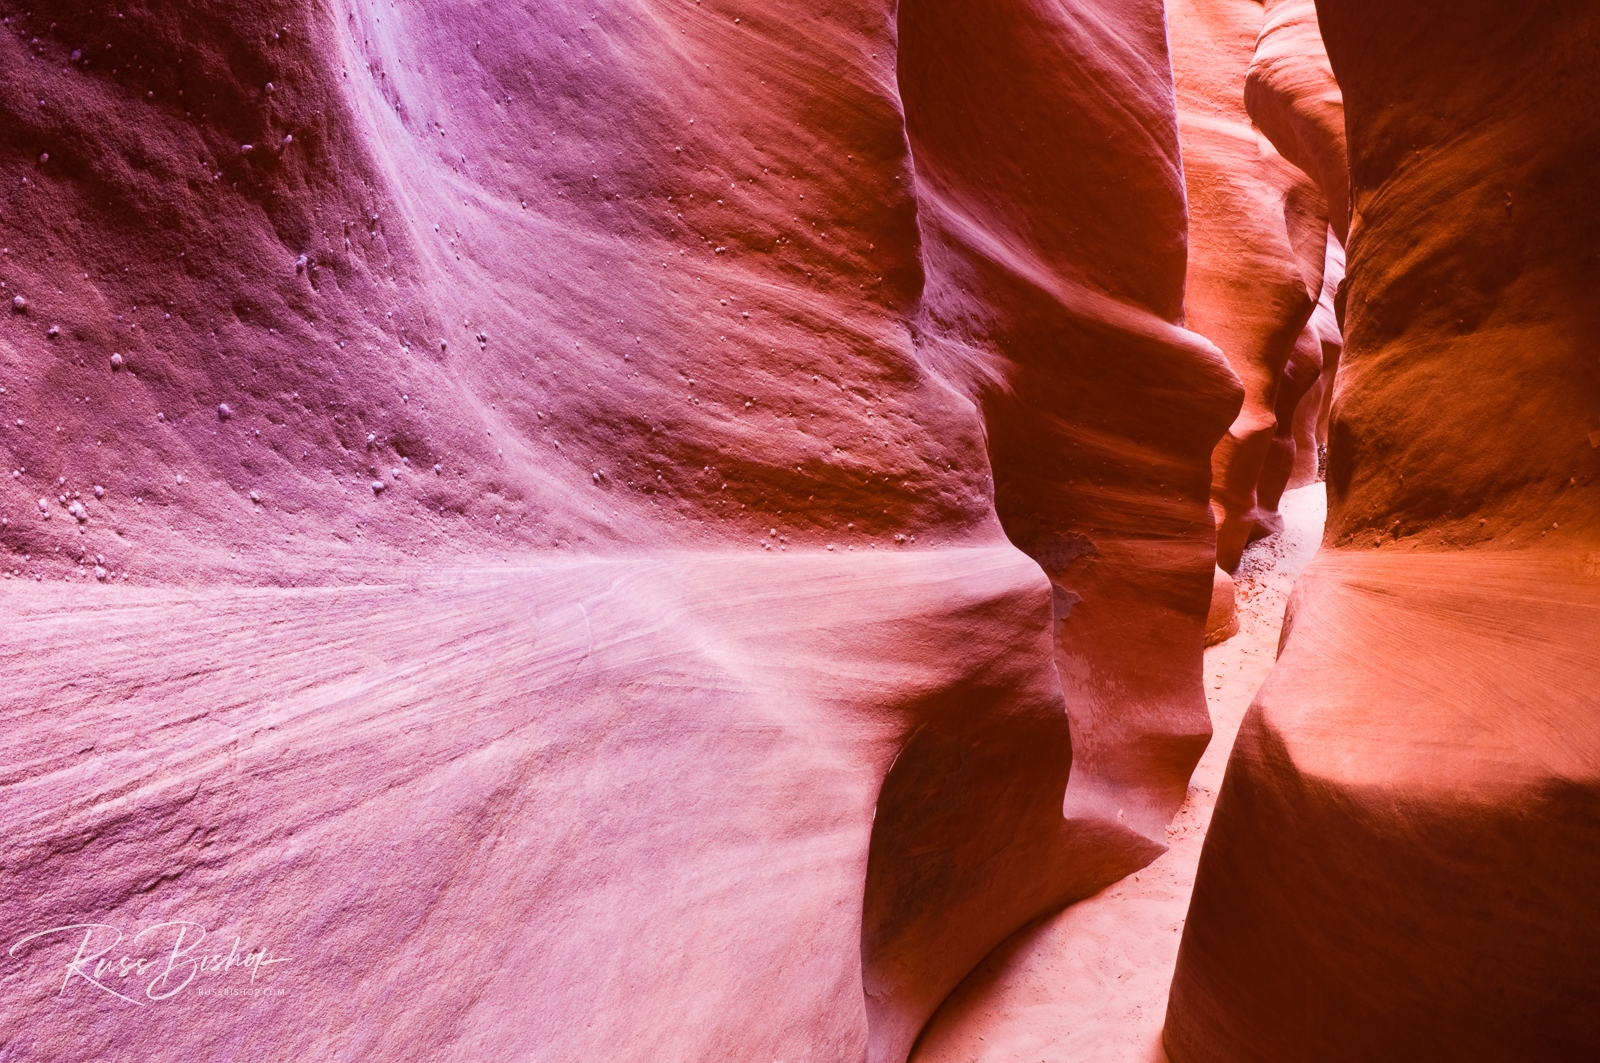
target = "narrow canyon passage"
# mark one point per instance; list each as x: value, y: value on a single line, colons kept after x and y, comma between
x: 1089, y: 985
x: 680, y: 531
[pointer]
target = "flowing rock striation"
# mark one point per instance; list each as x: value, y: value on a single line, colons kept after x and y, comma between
x: 557, y: 473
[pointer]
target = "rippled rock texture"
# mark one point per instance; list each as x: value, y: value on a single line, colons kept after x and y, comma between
x: 583, y: 532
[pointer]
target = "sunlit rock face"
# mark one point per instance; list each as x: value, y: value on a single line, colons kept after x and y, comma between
x: 1054, y: 288
x: 1294, y: 99
x: 1257, y: 242
x: 583, y: 533
x: 1402, y: 859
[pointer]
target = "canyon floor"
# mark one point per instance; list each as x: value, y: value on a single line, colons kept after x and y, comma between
x: 1089, y: 985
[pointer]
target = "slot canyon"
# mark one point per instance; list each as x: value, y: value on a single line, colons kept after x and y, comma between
x: 865, y: 531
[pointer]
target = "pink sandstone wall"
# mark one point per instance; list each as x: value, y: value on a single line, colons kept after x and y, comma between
x: 515, y: 512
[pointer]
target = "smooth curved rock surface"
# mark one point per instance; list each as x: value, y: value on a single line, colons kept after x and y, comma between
x: 1292, y: 96
x: 557, y: 473
x: 1090, y: 983
x: 1402, y: 860
x: 1222, y: 622
x: 1095, y: 403
x: 1257, y: 240
x: 1310, y: 429
x: 1297, y: 392
x: 1054, y: 306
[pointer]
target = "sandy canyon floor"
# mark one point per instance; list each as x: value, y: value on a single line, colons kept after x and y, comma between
x: 1089, y: 985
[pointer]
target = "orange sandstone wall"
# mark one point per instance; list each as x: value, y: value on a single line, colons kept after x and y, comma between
x: 1257, y: 239
x: 1402, y: 859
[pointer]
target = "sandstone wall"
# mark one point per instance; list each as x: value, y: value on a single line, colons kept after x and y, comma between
x: 1257, y: 239
x: 1402, y: 860
x: 515, y: 510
